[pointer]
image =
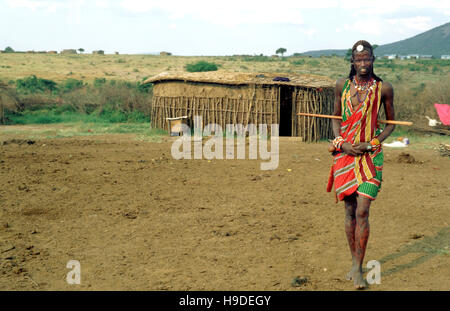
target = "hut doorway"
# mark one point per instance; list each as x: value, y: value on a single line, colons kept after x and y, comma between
x: 285, y: 111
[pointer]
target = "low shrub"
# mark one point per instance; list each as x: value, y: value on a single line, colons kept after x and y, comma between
x: 201, y: 66
x: 70, y: 85
x: 33, y: 84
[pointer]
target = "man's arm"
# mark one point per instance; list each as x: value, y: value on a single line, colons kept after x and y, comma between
x: 387, y: 98
x: 337, y: 107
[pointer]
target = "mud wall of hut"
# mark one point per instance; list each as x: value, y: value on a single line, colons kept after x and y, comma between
x: 241, y: 104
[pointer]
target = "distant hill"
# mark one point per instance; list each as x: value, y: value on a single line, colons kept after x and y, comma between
x: 434, y: 42
x: 319, y: 53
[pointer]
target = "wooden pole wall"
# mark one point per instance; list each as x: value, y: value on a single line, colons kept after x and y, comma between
x: 253, y: 110
x: 312, y: 101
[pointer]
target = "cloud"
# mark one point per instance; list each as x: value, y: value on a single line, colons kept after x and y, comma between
x: 235, y: 12
x: 379, y: 26
x: 309, y: 32
x: 420, y: 23
x: 371, y: 26
x: 46, y: 5
x: 33, y: 5
x: 231, y: 12
x: 104, y: 4
x: 54, y: 5
x: 384, y: 7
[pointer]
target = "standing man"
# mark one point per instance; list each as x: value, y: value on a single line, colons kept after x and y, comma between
x: 358, y: 160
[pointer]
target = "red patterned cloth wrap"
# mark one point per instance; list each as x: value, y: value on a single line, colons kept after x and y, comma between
x: 358, y: 125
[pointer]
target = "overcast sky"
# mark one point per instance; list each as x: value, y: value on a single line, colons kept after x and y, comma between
x: 210, y: 27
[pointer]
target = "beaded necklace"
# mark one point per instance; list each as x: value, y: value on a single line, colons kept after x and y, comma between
x: 363, y: 87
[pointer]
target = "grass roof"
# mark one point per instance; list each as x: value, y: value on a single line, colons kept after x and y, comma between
x: 239, y: 78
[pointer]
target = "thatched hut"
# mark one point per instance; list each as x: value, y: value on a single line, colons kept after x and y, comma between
x: 245, y: 98
x: 69, y: 51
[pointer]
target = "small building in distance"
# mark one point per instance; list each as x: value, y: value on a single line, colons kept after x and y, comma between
x: 445, y: 56
x: 163, y: 53
x: 391, y: 56
x: 412, y: 56
x: 426, y: 56
x: 69, y: 51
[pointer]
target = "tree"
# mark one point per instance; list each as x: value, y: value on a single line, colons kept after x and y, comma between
x: 281, y: 51
x: 9, y: 50
x: 81, y: 50
x: 348, y: 54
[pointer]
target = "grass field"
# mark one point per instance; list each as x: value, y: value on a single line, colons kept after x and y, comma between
x: 135, y: 67
x: 417, y: 83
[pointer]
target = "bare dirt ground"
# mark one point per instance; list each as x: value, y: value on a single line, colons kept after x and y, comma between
x: 136, y: 219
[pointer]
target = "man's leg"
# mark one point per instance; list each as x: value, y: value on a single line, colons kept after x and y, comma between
x: 350, y: 226
x: 361, y: 238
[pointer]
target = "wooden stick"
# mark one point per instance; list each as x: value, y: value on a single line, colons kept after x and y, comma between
x: 340, y: 118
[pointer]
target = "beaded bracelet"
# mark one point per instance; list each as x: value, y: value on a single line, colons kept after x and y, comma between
x: 337, y: 142
x: 375, y: 142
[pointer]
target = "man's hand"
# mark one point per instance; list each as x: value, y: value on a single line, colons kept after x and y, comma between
x: 354, y: 150
x: 363, y: 147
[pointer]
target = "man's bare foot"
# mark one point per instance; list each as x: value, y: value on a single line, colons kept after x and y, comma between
x: 358, y: 280
x: 351, y: 273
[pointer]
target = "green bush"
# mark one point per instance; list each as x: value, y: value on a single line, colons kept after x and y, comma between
x: 313, y: 62
x: 259, y: 58
x: 436, y: 69
x: 298, y: 62
x: 418, y: 89
x: 145, y: 88
x: 71, y: 85
x: 201, y: 66
x: 57, y: 114
x: 99, y: 82
x: 413, y: 67
x: 35, y: 85
x: 137, y: 117
x: 111, y: 101
x: 435, y: 62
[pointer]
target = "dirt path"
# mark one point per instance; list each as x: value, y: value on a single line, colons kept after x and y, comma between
x: 136, y: 219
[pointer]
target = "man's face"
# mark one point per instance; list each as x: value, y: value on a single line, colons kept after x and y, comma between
x: 363, y: 62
